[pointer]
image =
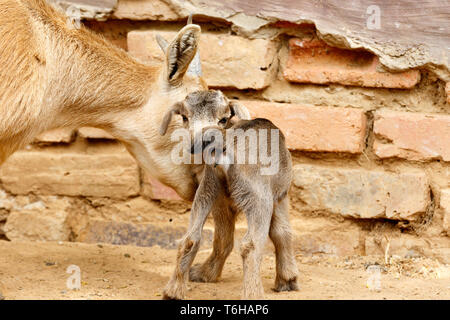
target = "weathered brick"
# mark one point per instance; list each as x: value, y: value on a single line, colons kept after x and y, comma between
x: 314, y: 128
x: 27, y: 225
x: 144, y: 10
x: 334, y: 242
x: 144, y: 235
x: 407, y: 245
x: 445, y: 206
x: 6, y: 204
x: 234, y: 62
x: 154, y: 189
x: 412, y: 136
x: 112, y: 174
x: 313, y: 61
x: 63, y: 135
x: 94, y: 133
x: 39, y: 221
x: 137, y: 234
x: 90, y: 9
x: 362, y: 193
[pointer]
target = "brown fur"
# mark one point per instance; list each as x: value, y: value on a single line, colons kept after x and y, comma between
x: 54, y: 75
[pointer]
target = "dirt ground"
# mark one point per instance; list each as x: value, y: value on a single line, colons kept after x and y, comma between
x: 37, y: 270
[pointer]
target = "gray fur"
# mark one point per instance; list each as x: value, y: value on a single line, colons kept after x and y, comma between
x: 226, y: 190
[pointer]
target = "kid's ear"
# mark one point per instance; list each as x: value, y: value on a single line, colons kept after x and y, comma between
x: 176, y: 109
x: 239, y: 111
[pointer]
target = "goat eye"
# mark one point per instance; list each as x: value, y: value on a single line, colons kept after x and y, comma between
x: 185, y: 119
x: 223, y: 120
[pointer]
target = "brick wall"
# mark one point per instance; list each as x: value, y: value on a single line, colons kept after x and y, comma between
x: 371, y: 148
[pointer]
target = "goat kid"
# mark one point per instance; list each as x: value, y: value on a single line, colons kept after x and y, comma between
x: 261, y: 197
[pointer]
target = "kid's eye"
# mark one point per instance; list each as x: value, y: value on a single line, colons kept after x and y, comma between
x: 185, y: 119
x: 223, y: 120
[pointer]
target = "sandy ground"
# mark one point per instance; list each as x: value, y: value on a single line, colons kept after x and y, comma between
x: 33, y: 270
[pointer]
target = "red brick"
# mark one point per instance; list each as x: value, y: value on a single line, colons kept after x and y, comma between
x: 154, y: 189
x: 412, y: 136
x: 313, y: 128
x: 235, y: 62
x: 313, y: 61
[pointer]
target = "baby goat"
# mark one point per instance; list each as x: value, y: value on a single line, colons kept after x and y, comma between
x: 249, y: 186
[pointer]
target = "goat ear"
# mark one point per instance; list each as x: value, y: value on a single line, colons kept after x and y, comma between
x: 181, y: 52
x: 239, y: 111
x: 176, y: 109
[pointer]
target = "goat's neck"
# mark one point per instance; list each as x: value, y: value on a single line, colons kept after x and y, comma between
x: 98, y: 81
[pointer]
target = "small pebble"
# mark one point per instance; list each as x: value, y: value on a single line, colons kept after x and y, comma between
x: 127, y: 255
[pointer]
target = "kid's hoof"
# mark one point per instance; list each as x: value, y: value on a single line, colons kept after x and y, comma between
x: 286, y: 285
x: 167, y: 297
x: 173, y: 292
